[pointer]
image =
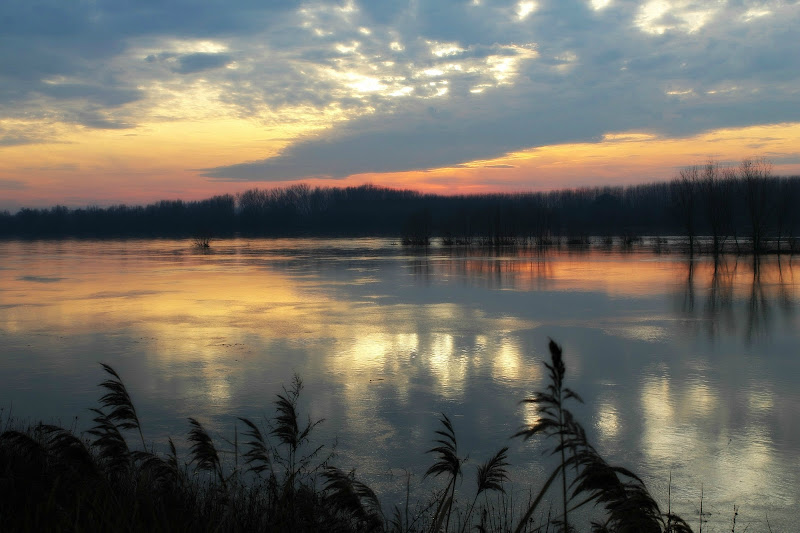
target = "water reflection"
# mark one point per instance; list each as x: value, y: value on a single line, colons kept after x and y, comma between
x: 608, y: 420
x: 740, y: 296
x: 386, y: 337
x: 674, y: 417
x: 533, y: 269
x: 688, y: 300
x: 495, y: 268
x: 507, y: 365
x: 718, y: 309
x: 721, y: 438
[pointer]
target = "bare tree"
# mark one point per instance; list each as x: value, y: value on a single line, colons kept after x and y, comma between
x: 785, y: 211
x: 686, y: 188
x: 730, y: 180
x: 756, y: 173
x: 716, y: 194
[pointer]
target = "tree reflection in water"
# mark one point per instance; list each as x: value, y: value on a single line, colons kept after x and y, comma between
x: 738, y: 297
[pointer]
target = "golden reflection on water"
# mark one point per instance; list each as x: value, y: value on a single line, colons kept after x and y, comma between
x: 374, y: 355
x: 685, y: 423
x: 661, y: 440
x: 530, y: 414
x: 213, y: 313
x: 527, y: 270
x: 198, y: 311
x: 507, y: 361
x: 607, y: 422
x: 647, y: 333
x: 450, y: 371
x: 760, y: 398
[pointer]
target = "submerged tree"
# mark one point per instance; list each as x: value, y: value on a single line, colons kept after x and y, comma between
x: 686, y: 192
x: 418, y: 229
x: 716, y: 188
x: 755, y: 173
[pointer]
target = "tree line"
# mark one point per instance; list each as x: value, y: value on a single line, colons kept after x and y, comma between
x: 736, y: 207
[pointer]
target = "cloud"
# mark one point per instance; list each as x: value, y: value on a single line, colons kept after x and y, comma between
x: 12, y: 185
x: 789, y: 159
x: 41, y: 279
x: 58, y: 52
x: 198, y: 62
x: 9, y: 140
x: 446, y: 136
x: 417, y: 140
x: 102, y: 121
x: 99, y: 95
x: 400, y: 85
x: 588, y: 72
x: 32, y: 130
x: 72, y: 59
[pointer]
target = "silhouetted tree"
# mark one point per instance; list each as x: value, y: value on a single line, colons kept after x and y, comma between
x: 686, y: 189
x: 417, y: 229
x: 711, y: 200
x: 716, y: 197
x: 756, y: 173
x: 786, y: 210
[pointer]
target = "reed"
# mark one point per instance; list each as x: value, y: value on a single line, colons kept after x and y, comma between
x: 203, y: 451
x: 54, y: 480
x: 490, y: 477
x: 628, y: 504
x: 119, y: 403
x: 354, y: 499
x: 448, y: 464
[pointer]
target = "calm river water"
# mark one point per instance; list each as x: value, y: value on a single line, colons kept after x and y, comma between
x: 686, y: 370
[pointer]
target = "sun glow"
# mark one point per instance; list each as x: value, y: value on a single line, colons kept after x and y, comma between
x: 524, y: 9
x: 659, y: 16
x: 163, y: 160
x: 598, y: 5
x: 617, y: 158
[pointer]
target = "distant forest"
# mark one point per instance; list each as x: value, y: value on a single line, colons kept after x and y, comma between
x: 742, y: 203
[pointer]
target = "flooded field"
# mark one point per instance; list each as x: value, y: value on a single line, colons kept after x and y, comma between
x: 687, y: 368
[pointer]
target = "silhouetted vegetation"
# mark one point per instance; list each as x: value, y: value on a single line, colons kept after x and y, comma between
x: 741, y: 209
x: 174, y: 218
x: 54, y: 480
x: 417, y: 228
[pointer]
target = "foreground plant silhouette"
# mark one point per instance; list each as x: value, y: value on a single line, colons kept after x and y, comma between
x: 53, y: 480
x: 628, y: 504
x: 490, y: 475
x: 449, y: 463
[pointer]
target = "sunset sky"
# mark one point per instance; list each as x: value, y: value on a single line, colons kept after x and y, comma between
x: 131, y: 101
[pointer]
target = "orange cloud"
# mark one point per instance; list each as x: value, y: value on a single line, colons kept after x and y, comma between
x: 616, y: 159
x: 163, y: 160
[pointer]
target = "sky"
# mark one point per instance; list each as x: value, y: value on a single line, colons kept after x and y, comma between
x: 131, y: 101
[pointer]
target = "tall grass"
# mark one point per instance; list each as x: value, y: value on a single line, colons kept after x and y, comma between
x: 586, y: 478
x: 279, y: 480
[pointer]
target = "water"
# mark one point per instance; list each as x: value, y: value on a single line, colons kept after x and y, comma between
x: 685, y: 370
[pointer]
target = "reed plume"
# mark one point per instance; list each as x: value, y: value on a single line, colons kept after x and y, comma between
x: 203, y: 452
x: 64, y: 482
x: 490, y: 477
x: 448, y: 463
x: 111, y: 444
x: 354, y: 498
x: 287, y: 429
x: 628, y: 504
x: 259, y: 455
x: 119, y: 403
x: 554, y: 420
